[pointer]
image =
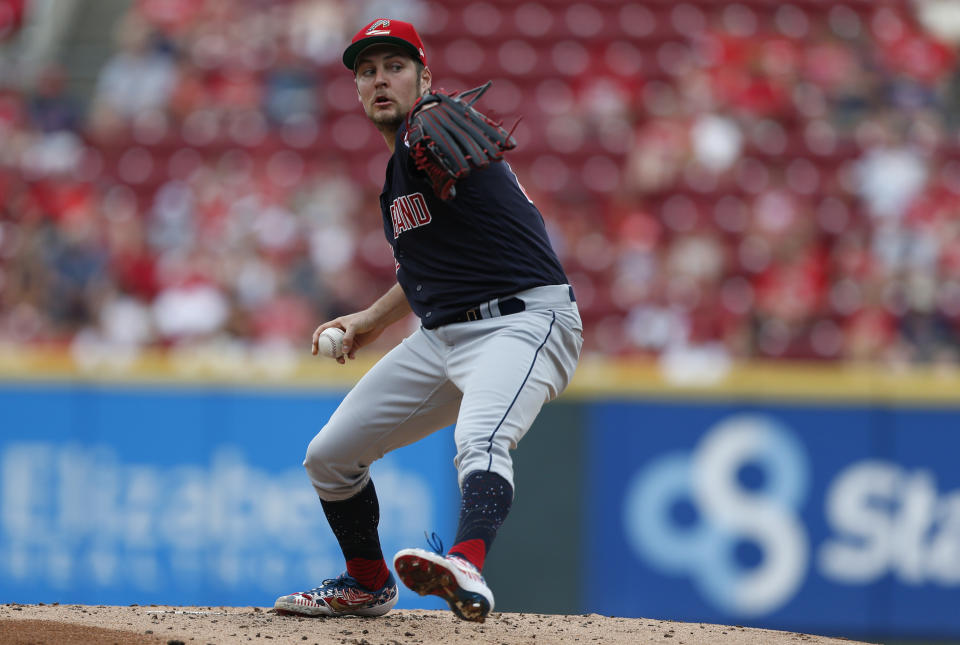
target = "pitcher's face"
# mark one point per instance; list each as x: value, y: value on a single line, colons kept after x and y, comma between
x: 388, y: 84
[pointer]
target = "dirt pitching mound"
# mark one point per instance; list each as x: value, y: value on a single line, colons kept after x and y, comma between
x: 150, y: 625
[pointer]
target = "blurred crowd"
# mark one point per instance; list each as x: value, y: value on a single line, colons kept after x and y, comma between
x: 723, y: 181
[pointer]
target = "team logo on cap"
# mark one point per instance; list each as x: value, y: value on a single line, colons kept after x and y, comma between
x: 375, y: 30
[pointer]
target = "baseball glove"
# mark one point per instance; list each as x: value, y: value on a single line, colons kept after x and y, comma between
x: 448, y: 138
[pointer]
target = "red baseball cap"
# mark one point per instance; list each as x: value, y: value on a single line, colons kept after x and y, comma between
x: 385, y: 30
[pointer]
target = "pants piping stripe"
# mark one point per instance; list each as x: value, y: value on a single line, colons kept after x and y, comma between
x: 520, y: 389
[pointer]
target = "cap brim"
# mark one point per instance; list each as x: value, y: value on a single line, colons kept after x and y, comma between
x: 353, y: 51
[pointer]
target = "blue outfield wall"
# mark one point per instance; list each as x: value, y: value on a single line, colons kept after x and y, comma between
x: 835, y: 519
x: 831, y: 518
x: 189, y: 496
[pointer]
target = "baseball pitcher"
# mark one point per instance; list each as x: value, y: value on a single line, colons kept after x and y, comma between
x: 500, y: 334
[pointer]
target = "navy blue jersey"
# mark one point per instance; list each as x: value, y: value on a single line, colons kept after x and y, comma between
x: 488, y: 242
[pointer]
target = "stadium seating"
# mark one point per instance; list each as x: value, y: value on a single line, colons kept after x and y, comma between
x: 707, y: 162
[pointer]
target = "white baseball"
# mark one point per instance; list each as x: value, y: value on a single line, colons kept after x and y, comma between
x: 330, y: 342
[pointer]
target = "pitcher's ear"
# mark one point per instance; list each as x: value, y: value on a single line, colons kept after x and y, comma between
x: 426, y: 78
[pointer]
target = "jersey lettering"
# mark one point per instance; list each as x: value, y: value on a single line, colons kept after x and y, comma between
x: 420, y: 211
x: 409, y: 212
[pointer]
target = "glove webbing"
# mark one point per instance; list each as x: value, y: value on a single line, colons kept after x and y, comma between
x: 448, y: 137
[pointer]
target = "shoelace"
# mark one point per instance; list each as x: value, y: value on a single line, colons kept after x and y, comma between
x: 434, y: 542
x: 343, y: 580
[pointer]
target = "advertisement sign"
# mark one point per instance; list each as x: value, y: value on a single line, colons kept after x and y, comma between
x: 830, y: 519
x: 187, y: 496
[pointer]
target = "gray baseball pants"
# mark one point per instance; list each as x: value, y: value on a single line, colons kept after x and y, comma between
x: 489, y: 376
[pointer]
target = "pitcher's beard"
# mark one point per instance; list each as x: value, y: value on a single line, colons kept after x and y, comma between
x: 389, y: 122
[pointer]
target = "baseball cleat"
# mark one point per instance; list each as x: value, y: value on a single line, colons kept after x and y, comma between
x: 452, y: 578
x: 341, y: 596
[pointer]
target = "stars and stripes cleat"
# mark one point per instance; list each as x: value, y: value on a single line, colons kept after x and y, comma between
x: 341, y: 596
x: 452, y: 578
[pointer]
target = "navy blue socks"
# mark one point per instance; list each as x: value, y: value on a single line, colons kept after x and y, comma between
x: 354, y: 522
x: 485, y: 501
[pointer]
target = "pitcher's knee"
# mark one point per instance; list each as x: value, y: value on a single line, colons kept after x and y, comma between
x: 335, y: 472
x: 484, y: 457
